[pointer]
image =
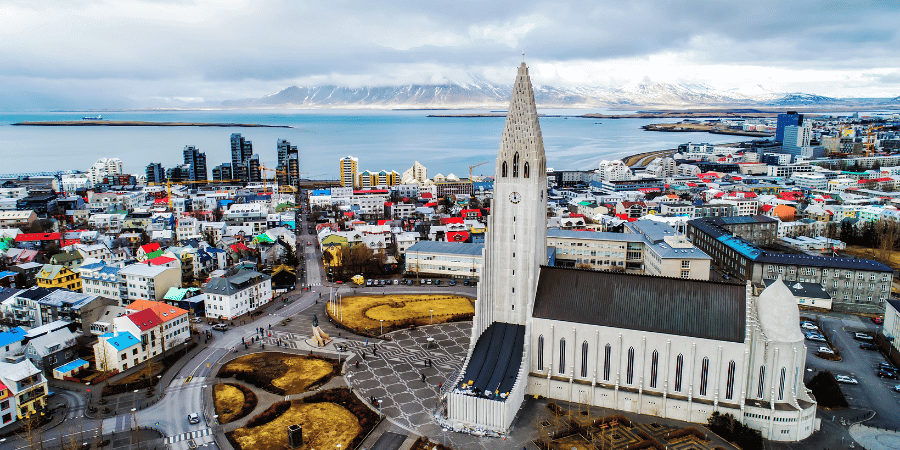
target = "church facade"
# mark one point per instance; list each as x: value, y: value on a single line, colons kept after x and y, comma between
x: 667, y: 347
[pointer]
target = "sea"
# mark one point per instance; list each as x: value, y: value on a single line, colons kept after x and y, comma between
x: 380, y: 139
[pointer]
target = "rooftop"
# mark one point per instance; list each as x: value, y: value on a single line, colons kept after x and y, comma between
x: 452, y: 248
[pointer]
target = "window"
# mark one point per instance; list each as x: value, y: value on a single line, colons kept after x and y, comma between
x: 685, y: 264
x: 679, y: 362
x: 540, y: 355
x: 762, y: 381
x: 729, y: 385
x: 7, y: 417
x: 629, y: 377
x: 562, y: 355
x: 526, y: 170
x: 607, y: 353
x: 685, y: 274
x: 4, y: 404
x: 516, y: 165
x: 584, y: 358
x: 654, y: 364
x: 781, y: 385
x: 503, y: 170
x: 704, y: 373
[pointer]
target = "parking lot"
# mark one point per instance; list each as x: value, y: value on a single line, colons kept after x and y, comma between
x: 873, y: 393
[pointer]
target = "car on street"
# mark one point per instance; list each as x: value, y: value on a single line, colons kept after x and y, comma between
x: 194, y: 418
x: 428, y: 281
x: 845, y: 379
x: 369, y: 282
x: 196, y: 320
x: 220, y: 327
x: 465, y: 282
x: 877, y: 320
x: 809, y: 326
x: 825, y: 350
x: 886, y: 366
x: 437, y: 282
x: 452, y: 282
x: 887, y: 374
x: 868, y: 346
x: 897, y: 387
x: 864, y: 337
x: 815, y: 338
x: 396, y: 282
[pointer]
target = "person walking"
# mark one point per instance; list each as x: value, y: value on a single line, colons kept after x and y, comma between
x: 423, y: 377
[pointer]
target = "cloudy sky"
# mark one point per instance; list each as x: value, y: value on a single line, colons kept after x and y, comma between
x: 132, y: 54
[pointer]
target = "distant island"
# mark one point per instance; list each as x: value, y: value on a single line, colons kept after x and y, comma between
x: 133, y: 123
x: 702, y: 127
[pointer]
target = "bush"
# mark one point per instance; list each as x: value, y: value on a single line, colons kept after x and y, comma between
x: 827, y: 390
x: 270, y: 414
x: 730, y: 429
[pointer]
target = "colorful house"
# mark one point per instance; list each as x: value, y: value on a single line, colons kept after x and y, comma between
x: 55, y: 276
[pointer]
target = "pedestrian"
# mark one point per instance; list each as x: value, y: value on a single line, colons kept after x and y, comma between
x: 440, y: 385
x: 357, y: 364
x: 364, y: 356
x: 423, y: 377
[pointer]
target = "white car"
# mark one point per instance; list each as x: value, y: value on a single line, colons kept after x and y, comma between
x: 845, y: 379
x: 194, y: 418
x: 826, y: 350
x: 864, y: 337
x: 809, y: 326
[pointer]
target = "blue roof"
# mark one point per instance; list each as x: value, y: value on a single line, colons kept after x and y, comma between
x: 121, y: 342
x: 741, y: 246
x: 70, y: 366
x: 12, y: 336
x: 453, y: 248
x: 7, y: 274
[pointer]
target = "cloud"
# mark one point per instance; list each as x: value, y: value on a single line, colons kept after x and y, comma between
x: 139, y: 52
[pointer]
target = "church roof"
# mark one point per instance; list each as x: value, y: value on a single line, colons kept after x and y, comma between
x: 695, y: 308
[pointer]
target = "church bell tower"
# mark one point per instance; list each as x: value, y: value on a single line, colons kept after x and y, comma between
x: 517, y: 226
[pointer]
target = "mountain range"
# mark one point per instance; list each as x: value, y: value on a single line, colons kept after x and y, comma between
x: 480, y: 94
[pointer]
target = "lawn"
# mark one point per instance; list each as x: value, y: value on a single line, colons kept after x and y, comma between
x: 287, y: 373
x: 869, y: 253
x: 325, y: 425
x: 363, y: 312
x: 232, y: 401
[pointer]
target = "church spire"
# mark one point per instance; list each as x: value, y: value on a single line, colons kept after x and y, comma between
x: 521, y: 145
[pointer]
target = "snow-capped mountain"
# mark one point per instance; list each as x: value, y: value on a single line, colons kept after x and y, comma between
x: 481, y: 94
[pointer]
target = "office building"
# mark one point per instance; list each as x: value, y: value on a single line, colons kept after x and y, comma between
x: 241, y: 150
x: 348, y: 167
x: 156, y: 173
x: 784, y: 120
x: 288, y: 164
x: 196, y: 160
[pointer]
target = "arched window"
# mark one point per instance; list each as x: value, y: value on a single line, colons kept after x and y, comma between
x: 679, y: 363
x: 781, y: 385
x: 584, y: 358
x: 704, y: 373
x: 516, y: 165
x: 762, y: 381
x: 504, y: 171
x: 562, y: 355
x: 607, y: 354
x: 540, y: 350
x: 729, y: 385
x: 629, y: 377
x: 654, y: 364
x: 525, y: 170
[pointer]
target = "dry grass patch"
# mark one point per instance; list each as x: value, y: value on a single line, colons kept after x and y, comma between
x: 365, y: 311
x: 229, y: 402
x: 893, y: 256
x: 325, y: 425
x: 281, y: 373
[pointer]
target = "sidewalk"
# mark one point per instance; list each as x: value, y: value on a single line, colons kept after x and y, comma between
x: 875, y: 438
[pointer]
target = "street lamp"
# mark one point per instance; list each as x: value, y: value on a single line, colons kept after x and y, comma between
x: 432, y: 316
x: 382, y: 325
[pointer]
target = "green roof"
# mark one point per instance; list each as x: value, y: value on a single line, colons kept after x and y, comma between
x: 152, y: 255
x: 263, y: 238
x: 177, y: 293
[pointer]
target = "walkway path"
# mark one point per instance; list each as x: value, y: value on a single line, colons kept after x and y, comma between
x: 875, y: 438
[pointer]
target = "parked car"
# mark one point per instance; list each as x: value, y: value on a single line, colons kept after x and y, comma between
x: 220, y: 327
x: 816, y: 338
x: 428, y: 281
x: 864, y: 337
x: 877, y: 320
x: 422, y: 281
x: 868, y: 346
x: 886, y: 366
x: 194, y: 418
x: 897, y: 387
x: 452, y: 282
x: 809, y: 326
x: 196, y: 320
x: 825, y: 350
x: 369, y: 282
x: 887, y: 374
x: 845, y: 379
x: 437, y: 282
x: 396, y: 281
x: 465, y: 282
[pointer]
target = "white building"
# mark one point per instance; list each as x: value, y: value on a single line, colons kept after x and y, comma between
x: 613, y: 171
x: 147, y: 282
x: 444, y: 259
x: 240, y: 293
x: 105, y: 167
x: 669, y: 347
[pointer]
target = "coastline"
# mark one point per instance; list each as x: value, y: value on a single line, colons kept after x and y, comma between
x: 133, y: 123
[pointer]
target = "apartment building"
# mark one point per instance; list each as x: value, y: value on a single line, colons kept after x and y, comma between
x: 239, y: 293
x: 175, y: 326
x: 56, y: 276
x: 27, y: 389
x: 458, y: 260
x: 147, y: 282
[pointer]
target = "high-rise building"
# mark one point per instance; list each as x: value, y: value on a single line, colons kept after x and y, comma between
x: 156, y: 173
x: 105, y: 167
x: 222, y: 172
x: 348, y: 167
x: 241, y: 151
x: 254, y: 174
x: 785, y: 120
x: 197, y: 161
x: 178, y: 174
x: 288, y: 163
x: 796, y: 138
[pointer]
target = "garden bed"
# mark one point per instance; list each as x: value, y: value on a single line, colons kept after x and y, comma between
x: 233, y: 401
x: 281, y: 373
x: 365, y: 313
x: 328, y: 418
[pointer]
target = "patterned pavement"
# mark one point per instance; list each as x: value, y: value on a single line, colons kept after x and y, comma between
x: 394, y: 374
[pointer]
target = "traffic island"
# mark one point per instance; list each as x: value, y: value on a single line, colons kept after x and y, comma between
x: 328, y: 419
x: 380, y: 314
x: 281, y: 373
x: 232, y: 401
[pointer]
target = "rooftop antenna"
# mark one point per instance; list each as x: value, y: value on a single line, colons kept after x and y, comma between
x: 523, y: 56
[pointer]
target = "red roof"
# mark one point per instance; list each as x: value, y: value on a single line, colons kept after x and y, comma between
x: 708, y: 175
x: 159, y: 261
x: 576, y: 215
x: 430, y: 205
x: 27, y: 237
x: 719, y: 195
x: 471, y: 211
x: 151, y: 247
x: 426, y: 195
x: 239, y: 246
x: 648, y: 189
x: 692, y: 184
x: 370, y: 191
x: 457, y: 236
x: 766, y: 208
x: 446, y: 220
x: 388, y: 203
x: 160, y: 201
x: 382, y: 222
x: 145, y: 319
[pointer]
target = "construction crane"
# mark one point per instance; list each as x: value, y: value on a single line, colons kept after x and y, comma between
x: 473, y: 167
x: 870, y: 142
x: 293, y: 189
x: 169, y: 183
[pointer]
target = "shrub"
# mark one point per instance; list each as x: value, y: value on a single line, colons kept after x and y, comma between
x: 827, y: 390
x: 730, y: 429
x: 270, y: 414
